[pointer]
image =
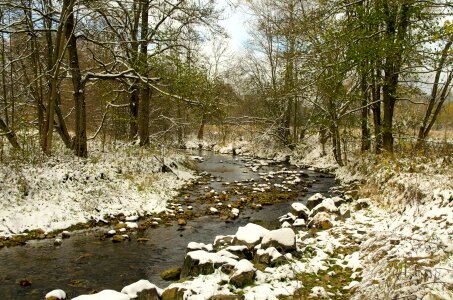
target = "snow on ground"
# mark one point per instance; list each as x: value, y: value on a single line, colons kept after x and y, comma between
x: 139, y: 286
x: 63, y: 190
x: 402, y: 245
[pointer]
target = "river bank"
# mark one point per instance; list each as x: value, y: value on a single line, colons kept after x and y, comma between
x: 395, y: 241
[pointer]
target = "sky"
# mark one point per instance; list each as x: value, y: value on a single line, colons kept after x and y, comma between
x: 235, y: 25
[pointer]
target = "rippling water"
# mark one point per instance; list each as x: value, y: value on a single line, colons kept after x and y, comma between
x: 83, y: 263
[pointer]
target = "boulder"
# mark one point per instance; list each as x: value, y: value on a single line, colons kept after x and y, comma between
x: 250, y: 235
x: 171, y: 274
x: 243, y: 275
x: 56, y: 295
x: 117, y: 238
x: 321, y: 220
x: 174, y: 293
x: 314, y: 200
x: 286, y: 224
x: 142, y: 290
x: 240, y: 251
x: 354, y: 194
x: 345, y: 214
x: 192, y: 246
x: 148, y: 294
x: 300, y: 210
x: 283, y: 239
x: 327, y: 205
x: 338, y: 200
x: 182, y: 222
x: 105, y: 294
x: 202, y: 262
x: 223, y: 240
x: 120, y: 225
x: 266, y: 256
x: 362, y: 203
x: 299, y: 223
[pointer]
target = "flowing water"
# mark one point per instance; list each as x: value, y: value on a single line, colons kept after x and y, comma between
x: 84, y: 263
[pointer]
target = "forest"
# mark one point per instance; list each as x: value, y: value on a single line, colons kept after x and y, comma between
x: 134, y: 71
x: 117, y: 111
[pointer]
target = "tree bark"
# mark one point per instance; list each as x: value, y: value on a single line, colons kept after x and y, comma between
x: 397, y: 23
x: 336, y: 143
x: 79, y: 144
x: 55, y: 69
x: 10, y: 135
x: 435, y: 100
x: 376, y: 107
x: 134, y: 103
x: 200, y: 134
x: 134, y: 100
x: 365, y: 130
x: 143, y: 124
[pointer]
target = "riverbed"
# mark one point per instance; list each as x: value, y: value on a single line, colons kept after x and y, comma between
x: 84, y: 263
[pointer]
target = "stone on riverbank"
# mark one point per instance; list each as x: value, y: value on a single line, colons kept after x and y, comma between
x: 142, y: 290
x: 118, y: 238
x: 321, y: 220
x: 250, y: 235
x: 300, y: 210
x: 314, y: 200
x: 105, y: 294
x: 327, y: 205
x: 174, y: 293
x: 283, y: 239
x: 171, y: 274
x: 202, y: 262
x: 243, y: 275
x: 56, y: 295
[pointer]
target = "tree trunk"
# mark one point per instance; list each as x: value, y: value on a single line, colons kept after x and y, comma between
x: 200, y: 135
x: 133, y: 109
x: 55, y: 69
x: 61, y: 127
x: 145, y: 95
x: 4, y: 84
x: 80, y: 140
x: 365, y: 130
x: 376, y: 107
x: 143, y: 119
x: 135, y: 88
x: 397, y: 23
x: 336, y: 144
x: 389, y: 100
x: 10, y: 135
x: 431, y: 117
x: 424, y: 131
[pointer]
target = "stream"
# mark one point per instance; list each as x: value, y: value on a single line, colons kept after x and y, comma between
x: 84, y: 263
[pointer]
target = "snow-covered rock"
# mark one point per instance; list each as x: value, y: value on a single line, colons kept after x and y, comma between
x: 283, y: 239
x: 192, y: 246
x: 202, y: 262
x: 244, y: 271
x: 314, y: 200
x: 250, y: 235
x: 327, y: 205
x: 300, y: 210
x: 104, y: 295
x: 141, y: 287
x: 299, y: 223
x: 321, y: 220
x: 58, y: 294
